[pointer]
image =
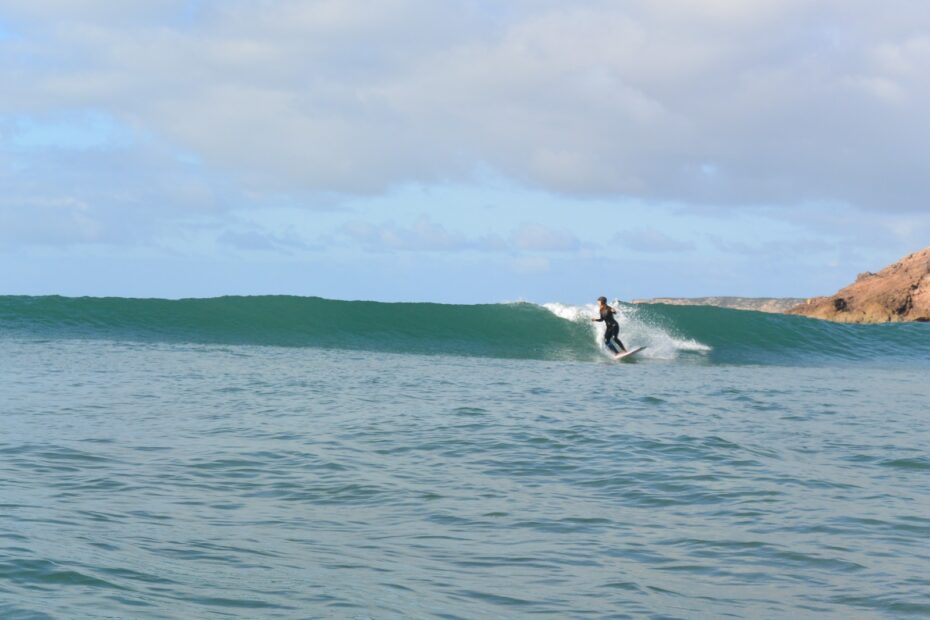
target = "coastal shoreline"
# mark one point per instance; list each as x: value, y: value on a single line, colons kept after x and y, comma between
x: 777, y: 305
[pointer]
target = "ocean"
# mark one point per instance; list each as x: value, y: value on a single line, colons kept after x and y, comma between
x: 287, y: 457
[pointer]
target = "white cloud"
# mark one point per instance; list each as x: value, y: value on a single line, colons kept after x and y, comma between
x: 530, y: 265
x: 787, y: 101
x: 649, y: 240
x: 427, y: 236
x: 118, y: 196
x: 538, y: 238
x: 255, y: 239
x: 44, y: 220
x: 423, y: 236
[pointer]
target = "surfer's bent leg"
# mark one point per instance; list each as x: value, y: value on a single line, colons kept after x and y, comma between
x: 607, y: 341
x: 612, y: 334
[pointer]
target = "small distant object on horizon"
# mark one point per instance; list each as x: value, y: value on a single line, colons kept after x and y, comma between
x: 759, y: 304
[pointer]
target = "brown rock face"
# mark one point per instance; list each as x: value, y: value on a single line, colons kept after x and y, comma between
x: 899, y: 292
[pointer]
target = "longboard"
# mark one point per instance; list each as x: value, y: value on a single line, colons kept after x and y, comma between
x: 629, y: 353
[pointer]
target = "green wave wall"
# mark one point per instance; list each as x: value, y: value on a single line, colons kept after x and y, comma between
x: 740, y: 336
x: 517, y: 330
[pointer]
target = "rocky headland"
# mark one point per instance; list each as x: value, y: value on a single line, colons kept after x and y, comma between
x: 899, y: 292
x: 759, y: 304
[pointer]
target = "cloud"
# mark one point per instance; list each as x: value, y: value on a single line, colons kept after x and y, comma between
x: 59, y: 221
x: 771, y: 249
x: 72, y: 187
x: 836, y: 225
x: 538, y: 238
x: 648, y: 240
x: 427, y: 236
x: 423, y: 236
x: 530, y: 265
x: 697, y: 101
x: 257, y: 240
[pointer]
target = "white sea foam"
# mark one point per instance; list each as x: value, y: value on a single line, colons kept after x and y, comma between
x: 659, y: 343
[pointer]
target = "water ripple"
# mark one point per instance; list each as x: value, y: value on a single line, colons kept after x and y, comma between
x: 161, y: 481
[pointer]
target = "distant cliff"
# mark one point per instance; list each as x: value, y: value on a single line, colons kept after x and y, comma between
x: 899, y: 292
x: 759, y: 304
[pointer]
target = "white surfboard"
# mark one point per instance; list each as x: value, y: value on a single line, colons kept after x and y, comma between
x: 629, y: 353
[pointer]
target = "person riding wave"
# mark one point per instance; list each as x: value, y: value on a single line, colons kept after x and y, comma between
x: 611, y: 334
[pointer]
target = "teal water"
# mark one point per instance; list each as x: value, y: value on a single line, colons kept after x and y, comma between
x: 186, y: 459
x: 515, y: 331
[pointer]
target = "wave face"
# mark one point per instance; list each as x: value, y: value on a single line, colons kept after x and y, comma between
x: 513, y: 330
x: 741, y: 336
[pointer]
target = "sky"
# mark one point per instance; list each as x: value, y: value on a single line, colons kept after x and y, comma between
x: 463, y: 151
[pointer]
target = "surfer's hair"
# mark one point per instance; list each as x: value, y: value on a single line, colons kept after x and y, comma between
x: 602, y: 298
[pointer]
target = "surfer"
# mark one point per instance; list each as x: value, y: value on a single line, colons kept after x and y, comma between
x: 611, y: 334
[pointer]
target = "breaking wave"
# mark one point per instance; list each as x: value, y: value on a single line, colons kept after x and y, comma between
x: 551, y: 331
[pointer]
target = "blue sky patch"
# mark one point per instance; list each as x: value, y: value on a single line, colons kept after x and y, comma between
x: 69, y: 130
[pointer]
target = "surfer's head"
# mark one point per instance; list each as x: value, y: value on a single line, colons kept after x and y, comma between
x: 602, y: 300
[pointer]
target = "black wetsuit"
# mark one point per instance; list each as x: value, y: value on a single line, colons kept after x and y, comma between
x: 612, y: 332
